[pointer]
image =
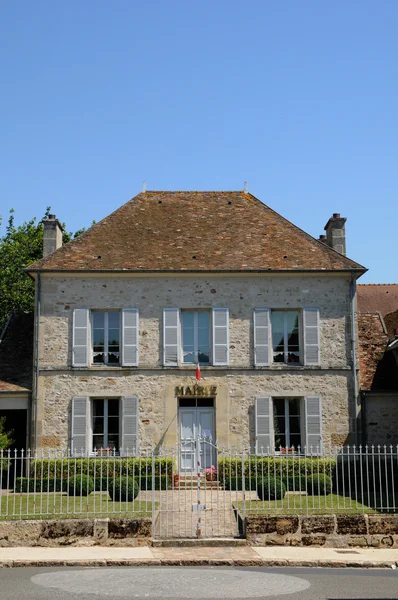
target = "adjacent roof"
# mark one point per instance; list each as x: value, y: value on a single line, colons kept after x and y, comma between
x: 378, y: 368
x: 391, y: 321
x: 195, y: 231
x: 382, y: 297
x: 16, y: 354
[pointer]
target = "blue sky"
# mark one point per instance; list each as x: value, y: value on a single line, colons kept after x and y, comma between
x: 298, y: 98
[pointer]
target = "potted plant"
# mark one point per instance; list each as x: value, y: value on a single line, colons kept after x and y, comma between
x: 211, y: 473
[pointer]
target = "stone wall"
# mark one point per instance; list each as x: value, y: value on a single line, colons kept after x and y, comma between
x: 76, y: 532
x: 381, y: 418
x: 332, y: 531
x: 237, y: 385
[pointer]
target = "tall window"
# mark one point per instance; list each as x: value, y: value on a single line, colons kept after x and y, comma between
x: 287, y: 423
x: 196, y: 336
x: 105, y: 423
x: 106, y: 337
x: 285, y: 336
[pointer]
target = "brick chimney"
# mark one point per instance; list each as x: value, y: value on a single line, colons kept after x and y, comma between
x: 52, y: 239
x: 335, y: 233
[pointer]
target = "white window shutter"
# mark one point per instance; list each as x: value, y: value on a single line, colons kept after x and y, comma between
x: 220, y: 336
x: 261, y: 320
x: 313, y: 425
x: 263, y: 425
x: 130, y: 337
x: 311, y: 336
x: 171, y: 336
x: 80, y: 337
x: 79, y: 436
x: 129, y: 425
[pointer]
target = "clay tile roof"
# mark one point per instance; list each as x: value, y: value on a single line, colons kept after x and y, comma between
x: 16, y: 354
x: 378, y: 369
x: 195, y: 231
x: 381, y: 297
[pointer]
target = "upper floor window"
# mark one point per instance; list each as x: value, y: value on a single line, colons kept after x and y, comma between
x: 191, y: 336
x: 285, y: 336
x: 289, y: 337
x: 106, y: 337
x: 195, y: 336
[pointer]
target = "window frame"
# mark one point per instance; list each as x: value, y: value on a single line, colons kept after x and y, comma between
x: 93, y: 399
x: 300, y: 362
x: 287, y: 423
x: 195, y: 332
x: 106, y: 337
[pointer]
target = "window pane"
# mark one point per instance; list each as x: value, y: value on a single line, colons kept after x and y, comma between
x: 203, y: 319
x: 188, y: 318
x: 98, y: 441
x: 204, y: 357
x: 98, y: 425
x: 113, y: 442
x: 113, y: 408
x: 187, y: 336
x: 291, y: 320
x: 113, y: 337
x: 98, y: 407
x: 203, y: 337
x: 98, y: 337
x: 98, y: 319
x: 113, y: 357
x: 113, y: 320
x: 189, y: 356
x: 98, y: 357
x: 279, y: 423
x: 113, y: 425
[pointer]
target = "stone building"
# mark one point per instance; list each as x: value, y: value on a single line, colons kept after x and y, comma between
x: 125, y: 312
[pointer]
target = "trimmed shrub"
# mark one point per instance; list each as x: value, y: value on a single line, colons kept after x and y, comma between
x: 319, y: 484
x: 235, y: 483
x: 80, y: 485
x: 24, y: 485
x: 124, y: 489
x: 271, y: 488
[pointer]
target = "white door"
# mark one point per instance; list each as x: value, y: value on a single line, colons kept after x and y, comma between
x: 196, y: 422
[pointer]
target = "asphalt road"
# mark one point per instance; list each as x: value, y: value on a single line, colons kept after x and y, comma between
x: 196, y: 583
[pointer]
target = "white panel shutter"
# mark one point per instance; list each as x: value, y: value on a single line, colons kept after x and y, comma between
x: 261, y: 319
x: 171, y: 336
x: 311, y: 336
x: 220, y: 336
x: 313, y: 425
x: 130, y: 337
x: 80, y: 337
x: 79, y: 443
x: 263, y: 425
x: 129, y: 425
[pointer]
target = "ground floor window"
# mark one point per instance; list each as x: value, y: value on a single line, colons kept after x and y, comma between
x: 287, y: 423
x: 105, y: 423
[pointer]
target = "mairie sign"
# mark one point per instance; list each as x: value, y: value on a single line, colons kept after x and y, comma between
x: 196, y: 390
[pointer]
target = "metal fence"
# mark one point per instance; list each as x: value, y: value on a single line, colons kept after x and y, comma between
x: 201, y: 490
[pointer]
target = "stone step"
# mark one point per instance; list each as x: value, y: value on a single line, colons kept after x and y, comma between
x: 190, y: 542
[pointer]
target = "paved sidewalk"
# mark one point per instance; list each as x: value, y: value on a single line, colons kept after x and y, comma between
x: 95, y: 556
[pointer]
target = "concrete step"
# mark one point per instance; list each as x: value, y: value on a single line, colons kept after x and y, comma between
x: 191, y: 542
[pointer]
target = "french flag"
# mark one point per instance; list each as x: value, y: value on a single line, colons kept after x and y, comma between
x: 197, y: 372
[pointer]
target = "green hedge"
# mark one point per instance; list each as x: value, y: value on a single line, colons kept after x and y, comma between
x: 282, y: 467
x: 25, y: 484
x: 113, y: 466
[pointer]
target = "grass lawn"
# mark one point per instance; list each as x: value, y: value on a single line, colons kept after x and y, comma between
x: 26, y: 506
x: 305, y: 504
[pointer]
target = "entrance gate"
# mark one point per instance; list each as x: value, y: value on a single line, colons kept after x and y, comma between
x: 197, y: 504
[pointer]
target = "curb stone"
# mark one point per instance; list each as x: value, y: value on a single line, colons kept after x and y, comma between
x: 137, y: 562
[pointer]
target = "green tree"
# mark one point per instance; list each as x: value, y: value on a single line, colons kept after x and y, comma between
x: 5, y: 436
x: 19, y: 247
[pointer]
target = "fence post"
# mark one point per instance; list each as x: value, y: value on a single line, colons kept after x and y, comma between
x: 153, y: 492
x: 243, y: 495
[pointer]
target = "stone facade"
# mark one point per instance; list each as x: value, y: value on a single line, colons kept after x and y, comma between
x: 236, y: 385
x: 381, y: 418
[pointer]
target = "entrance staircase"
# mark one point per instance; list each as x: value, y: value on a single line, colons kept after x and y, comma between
x: 190, y: 482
